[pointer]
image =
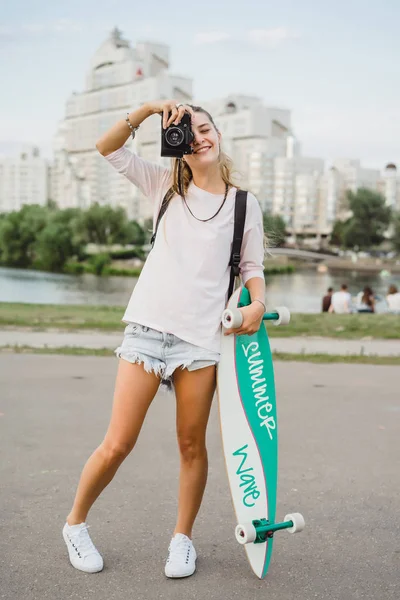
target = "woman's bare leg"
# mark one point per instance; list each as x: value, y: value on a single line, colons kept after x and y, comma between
x: 134, y: 392
x: 194, y: 394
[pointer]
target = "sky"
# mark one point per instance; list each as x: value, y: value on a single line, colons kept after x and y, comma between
x: 333, y: 64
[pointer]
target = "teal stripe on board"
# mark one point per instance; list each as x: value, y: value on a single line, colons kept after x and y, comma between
x: 257, y: 389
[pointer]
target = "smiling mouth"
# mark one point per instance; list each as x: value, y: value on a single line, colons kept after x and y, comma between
x: 202, y: 150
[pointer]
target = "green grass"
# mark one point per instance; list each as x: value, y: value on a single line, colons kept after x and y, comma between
x: 354, y: 359
x: 278, y: 356
x: 66, y: 350
x: 40, y: 316
x: 108, y: 318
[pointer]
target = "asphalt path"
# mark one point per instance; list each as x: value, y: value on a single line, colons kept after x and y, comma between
x: 293, y: 345
x: 339, y: 466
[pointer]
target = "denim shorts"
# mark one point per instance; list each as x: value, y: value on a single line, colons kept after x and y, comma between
x: 162, y: 353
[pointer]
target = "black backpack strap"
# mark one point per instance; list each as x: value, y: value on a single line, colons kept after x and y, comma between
x: 163, y: 208
x: 238, y: 229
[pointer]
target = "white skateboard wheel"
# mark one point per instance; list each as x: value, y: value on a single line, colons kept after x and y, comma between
x: 245, y: 533
x: 232, y: 318
x: 298, y: 522
x: 283, y: 316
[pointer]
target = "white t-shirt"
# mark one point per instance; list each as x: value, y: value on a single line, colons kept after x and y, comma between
x: 393, y: 301
x: 341, y: 302
x: 183, y: 285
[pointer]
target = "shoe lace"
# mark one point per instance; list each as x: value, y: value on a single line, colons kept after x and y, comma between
x: 180, y: 548
x: 86, y: 545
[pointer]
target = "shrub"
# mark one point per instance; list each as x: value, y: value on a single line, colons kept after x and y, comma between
x: 98, y: 262
x: 74, y: 268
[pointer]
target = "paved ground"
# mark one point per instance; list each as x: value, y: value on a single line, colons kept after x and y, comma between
x: 339, y: 465
x: 308, y: 345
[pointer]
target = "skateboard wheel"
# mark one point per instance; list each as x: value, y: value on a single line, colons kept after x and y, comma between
x: 298, y: 522
x: 231, y: 319
x: 245, y: 533
x: 283, y: 316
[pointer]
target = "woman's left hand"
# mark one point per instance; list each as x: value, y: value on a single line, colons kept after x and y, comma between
x: 252, y: 318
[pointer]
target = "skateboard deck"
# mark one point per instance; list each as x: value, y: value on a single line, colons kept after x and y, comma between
x: 249, y: 427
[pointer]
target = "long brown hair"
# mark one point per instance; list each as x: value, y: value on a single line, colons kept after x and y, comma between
x: 182, y: 174
x: 368, y: 296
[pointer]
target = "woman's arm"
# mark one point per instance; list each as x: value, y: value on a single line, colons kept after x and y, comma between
x: 151, y: 178
x: 116, y: 137
x: 252, y: 269
x: 256, y: 287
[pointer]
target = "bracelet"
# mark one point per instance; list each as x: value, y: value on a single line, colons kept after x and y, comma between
x: 261, y: 302
x: 131, y: 127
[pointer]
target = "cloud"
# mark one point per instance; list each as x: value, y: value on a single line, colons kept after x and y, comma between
x: 4, y: 30
x: 33, y: 29
x: 270, y: 38
x: 211, y: 37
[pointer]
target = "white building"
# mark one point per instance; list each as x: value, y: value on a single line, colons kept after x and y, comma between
x: 259, y: 140
x: 389, y: 186
x: 350, y: 176
x: 252, y: 135
x: 120, y: 79
x: 23, y: 180
x: 296, y: 190
x: 330, y: 190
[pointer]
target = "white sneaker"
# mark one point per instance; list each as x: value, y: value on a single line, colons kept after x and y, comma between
x: 82, y: 552
x: 181, y: 561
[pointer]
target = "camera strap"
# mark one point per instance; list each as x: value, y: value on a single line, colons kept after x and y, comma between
x: 238, y: 229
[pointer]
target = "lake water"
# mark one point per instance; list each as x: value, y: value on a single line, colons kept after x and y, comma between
x: 300, y: 292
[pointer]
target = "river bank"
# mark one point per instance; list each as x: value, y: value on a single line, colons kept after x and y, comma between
x: 300, y: 291
x: 37, y: 317
x: 126, y: 269
x: 362, y: 266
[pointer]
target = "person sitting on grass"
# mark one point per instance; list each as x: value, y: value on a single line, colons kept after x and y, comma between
x: 341, y: 301
x: 366, y: 301
x: 393, y: 300
x: 327, y: 300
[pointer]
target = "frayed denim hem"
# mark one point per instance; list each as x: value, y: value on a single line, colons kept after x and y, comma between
x: 150, y: 365
x: 164, y: 372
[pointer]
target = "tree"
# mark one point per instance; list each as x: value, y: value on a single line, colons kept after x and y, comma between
x: 369, y: 221
x: 338, y: 232
x: 275, y: 229
x: 105, y: 225
x: 59, y: 241
x: 135, y: 234
x: 396, y: 232
x: 18, y: 234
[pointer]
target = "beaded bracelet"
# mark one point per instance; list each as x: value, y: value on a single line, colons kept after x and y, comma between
x: 131, y: 127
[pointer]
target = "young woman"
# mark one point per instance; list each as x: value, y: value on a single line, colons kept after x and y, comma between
x: 173, y: 318
x: 366, y: 301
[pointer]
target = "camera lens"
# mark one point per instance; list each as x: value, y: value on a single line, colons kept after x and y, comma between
x: 174, y: 136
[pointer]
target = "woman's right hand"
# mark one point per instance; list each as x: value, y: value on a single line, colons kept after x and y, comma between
x: 170, y: 113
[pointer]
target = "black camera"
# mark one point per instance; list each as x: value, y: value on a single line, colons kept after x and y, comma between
x: 176, y: 139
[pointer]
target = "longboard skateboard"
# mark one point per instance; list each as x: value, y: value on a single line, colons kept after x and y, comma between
x: 249, y: 427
